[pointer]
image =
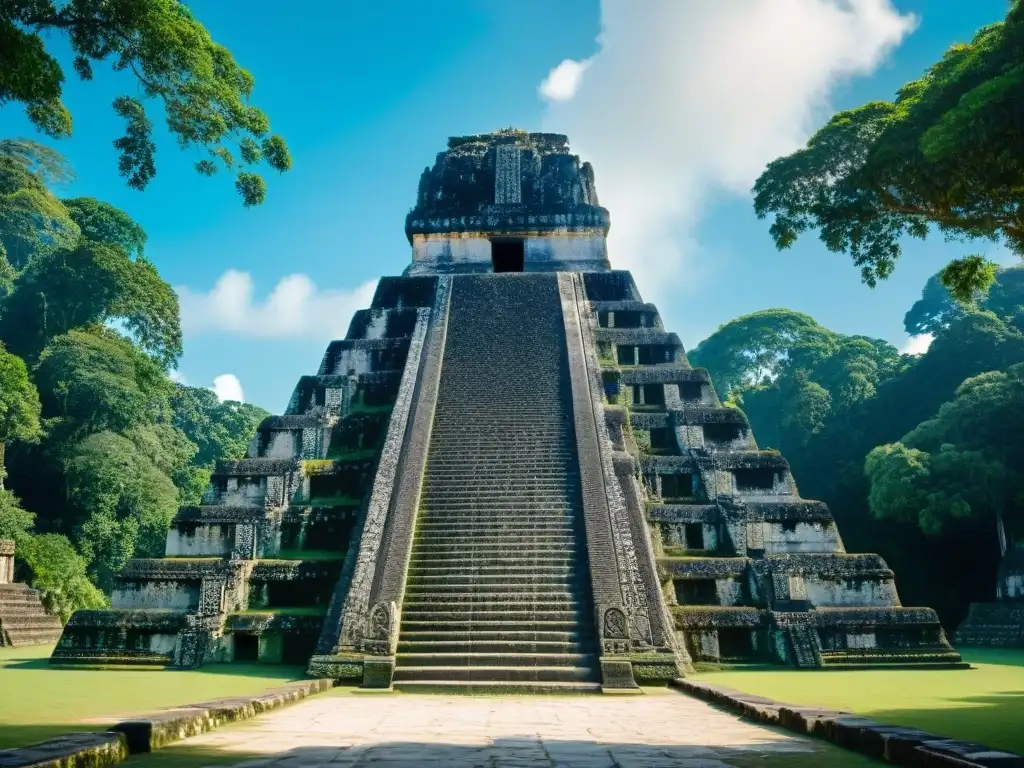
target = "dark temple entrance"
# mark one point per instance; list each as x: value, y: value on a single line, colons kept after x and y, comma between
x: 508, y: 254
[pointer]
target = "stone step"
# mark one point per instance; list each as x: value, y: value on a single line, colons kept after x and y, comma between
x: 519, y: 659
x: 523, y: 537
x: 483, y: 523
x: 460, y: 511
x: 514, y: 581
x: 25, y: 609
x: 476, y: 615
x: 19, y: 639
x: 495, y: 687
x: 485, y: 593
x: 496, y: 673
x: 498, y: 558
x: 493, y: 573
x: 471, y: 600
x: 40, y: 620
x: 536, y: 473
x: 492, y: 636
x: 490, y: 626
x: 493, y: 546
x: 411, y: 647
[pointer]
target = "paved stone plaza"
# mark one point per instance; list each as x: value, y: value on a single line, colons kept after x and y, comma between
x: 659, y: 730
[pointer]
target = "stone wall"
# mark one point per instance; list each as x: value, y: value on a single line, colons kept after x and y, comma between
x: 6, y: 561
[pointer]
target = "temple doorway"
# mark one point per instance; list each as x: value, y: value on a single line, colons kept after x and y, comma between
x: 508, y: 254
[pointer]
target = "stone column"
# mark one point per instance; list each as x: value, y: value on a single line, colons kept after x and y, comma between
x: 6, y: 561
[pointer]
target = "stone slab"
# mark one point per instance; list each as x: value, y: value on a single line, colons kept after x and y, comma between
x: 893, y: 744
x: 76, y: 750
x: 154, y: 731
x: 658, y: 729
x: 617, y: 675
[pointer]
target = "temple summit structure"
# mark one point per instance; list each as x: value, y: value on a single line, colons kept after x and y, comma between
x: 506, y: 476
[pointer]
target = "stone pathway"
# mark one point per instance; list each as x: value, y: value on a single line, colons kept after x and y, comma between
x: 660, y: 730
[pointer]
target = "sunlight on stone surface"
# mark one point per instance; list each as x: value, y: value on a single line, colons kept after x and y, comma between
x: 346, y: 729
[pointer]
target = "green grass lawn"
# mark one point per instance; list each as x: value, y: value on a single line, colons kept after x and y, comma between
x: 984, y: 705
x: 38, y: 702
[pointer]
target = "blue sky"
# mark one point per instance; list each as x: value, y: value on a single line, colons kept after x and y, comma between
x: 367, y: 93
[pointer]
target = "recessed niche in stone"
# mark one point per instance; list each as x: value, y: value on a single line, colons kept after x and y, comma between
x: 696, y: 592
x: 722, y: 433
x: 694, y: 533
x: 626, y: 355
x: 735, y: 644
x: 508, y: 254
x: 653, y: 354
x: 677, y: 486
x: 247, y: 647
x: 691, y: 391
x: 755, y: 479
x: 663, y: 440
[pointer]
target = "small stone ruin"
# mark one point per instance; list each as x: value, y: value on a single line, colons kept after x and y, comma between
x: 23, y: 619
x: 507, y: 476
x: 999, y: 623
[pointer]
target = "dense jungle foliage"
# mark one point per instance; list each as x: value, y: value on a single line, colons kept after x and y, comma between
x: 921, y: 459
x: 102, y: 447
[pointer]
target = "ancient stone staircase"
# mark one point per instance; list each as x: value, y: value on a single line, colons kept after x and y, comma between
x: 23, y: 620
x: 498, y: 594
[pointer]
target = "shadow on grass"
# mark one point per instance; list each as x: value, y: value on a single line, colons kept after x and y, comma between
x: 523, y: 752
x: 992, y: 719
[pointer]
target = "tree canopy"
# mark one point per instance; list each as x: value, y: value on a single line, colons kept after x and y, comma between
x: 171, y: 56
x: 19, y: 405
x: 948, y: 153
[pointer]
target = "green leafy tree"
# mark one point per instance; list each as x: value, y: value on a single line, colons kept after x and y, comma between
x: 32, y: 219
x: 220, y: 430
x: 93, y: 283
x: 947, y: 153
x: 962, y: 463
x: 94, y: 381
x: 19, y: 406
x: 124, y: 501
x: 204, y: 93
x: 15, y: 522
x: 936, y: 309
x: 755, y: 348
x: 59, y: 573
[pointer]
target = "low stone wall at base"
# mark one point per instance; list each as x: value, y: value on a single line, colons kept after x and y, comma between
x: 148, y: 733
x: 144, y: 734
x: 889, y: 743
x: 76, y: 750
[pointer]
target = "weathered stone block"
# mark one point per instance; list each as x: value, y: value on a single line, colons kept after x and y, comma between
x: 75, y: 750
x: 378, y: 672
x: 617, y: 674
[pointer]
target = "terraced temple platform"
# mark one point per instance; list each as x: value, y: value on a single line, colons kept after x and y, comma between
x: 507, y: 476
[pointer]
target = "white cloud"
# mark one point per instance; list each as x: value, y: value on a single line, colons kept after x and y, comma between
x: 296, y: 308
x: 228, y: 387
x: 685, y: 100
x: 562, y: 81
x: 918, y: 344
x: 178, y: 377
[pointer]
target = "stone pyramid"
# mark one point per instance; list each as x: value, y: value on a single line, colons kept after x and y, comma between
x: 507, y: 476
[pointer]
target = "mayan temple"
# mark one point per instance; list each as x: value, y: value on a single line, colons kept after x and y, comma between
x: 506, y: 476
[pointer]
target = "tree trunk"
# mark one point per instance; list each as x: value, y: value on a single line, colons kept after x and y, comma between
x: 1001, y: 531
